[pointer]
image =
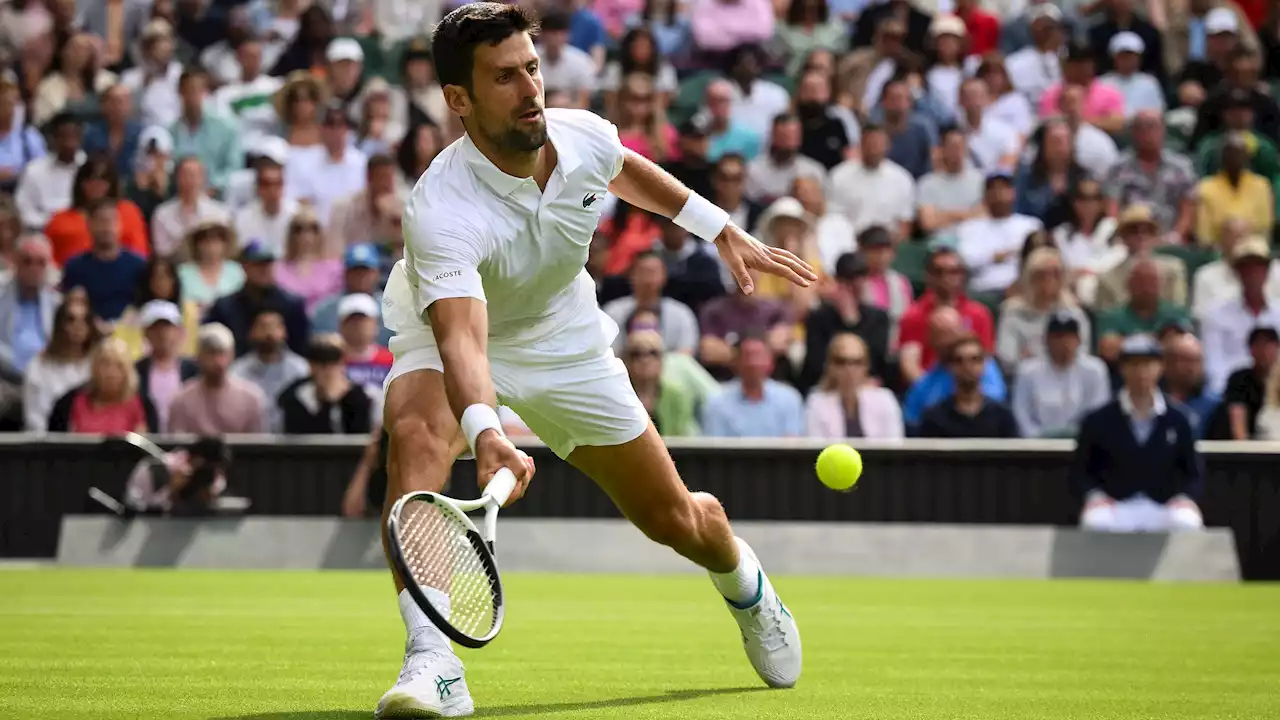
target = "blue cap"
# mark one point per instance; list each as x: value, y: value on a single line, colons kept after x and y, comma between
x: 364, y: 255
x: 257, y: 251
x: 1140, y: 346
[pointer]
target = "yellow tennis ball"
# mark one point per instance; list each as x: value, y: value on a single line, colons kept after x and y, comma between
x: 839, y: 467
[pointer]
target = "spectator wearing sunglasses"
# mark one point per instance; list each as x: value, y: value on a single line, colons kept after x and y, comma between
x: 968, y: 412
x: 846, y: 403
x: 945, y: 280
x: 671, y: 410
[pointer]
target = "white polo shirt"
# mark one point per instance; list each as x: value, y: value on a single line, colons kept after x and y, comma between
x: 473, y: 231
x: 1225, y: 334
x: 981, y: 239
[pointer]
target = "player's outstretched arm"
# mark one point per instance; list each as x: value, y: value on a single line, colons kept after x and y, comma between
x: 461, y: 328
x: 649, y: 187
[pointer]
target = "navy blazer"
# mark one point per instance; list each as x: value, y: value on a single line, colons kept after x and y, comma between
x: 236, y: 311
x: 1109, y: 458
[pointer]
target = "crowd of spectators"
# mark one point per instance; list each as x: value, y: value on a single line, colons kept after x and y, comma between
x: 200, y: 201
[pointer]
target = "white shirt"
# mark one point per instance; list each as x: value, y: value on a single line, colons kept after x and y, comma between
x: 981, y: 239
x: 253, y: 223
x: 990, y: 141
x: 1032, y: 71
x: 171, y: 223
x: 45, y: 188
x: 881, y: 74
x: 1225, y: 336
x: 1215, y: 283
x: 574, y: 71
x: 158, y: 102
x: 884, y: 196
x: 313, y: 177
x: 250, y: 103
x: 944, y: 84
x: 835, y: 237
x: 756, y: 111
x: 1095, y: 151
x: 1013, y: 109
x: 767, y: 181
x: 519, y: 249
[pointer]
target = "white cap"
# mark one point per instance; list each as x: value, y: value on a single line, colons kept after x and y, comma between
x: 1046, y: 11
x: 357, y: 304
x: 158, y: 135
x: 947, y: 25
x: 1221, y: 20
x: 160, y: 311
x: 1126, y: 42
x: 344, y: 49
x: 274, y: 148
x: 216, y: 336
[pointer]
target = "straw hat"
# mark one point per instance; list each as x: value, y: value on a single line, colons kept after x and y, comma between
x: 299, y: 79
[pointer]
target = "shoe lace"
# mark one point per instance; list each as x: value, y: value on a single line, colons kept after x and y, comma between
x: 767, y: 626
x: 420, y: 662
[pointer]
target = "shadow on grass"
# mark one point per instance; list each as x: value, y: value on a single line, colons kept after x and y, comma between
x: 515, y: 710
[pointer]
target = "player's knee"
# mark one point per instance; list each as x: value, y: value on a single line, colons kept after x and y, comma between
x: 416, y: 436
x: 676, y: 526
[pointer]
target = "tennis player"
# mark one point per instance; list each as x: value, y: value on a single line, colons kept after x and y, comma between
x: 492, y: 303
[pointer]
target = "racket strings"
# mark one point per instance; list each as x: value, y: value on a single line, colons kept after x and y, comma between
x: 440, y: 555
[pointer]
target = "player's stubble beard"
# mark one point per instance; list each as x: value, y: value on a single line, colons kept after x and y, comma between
x: 515, y: 139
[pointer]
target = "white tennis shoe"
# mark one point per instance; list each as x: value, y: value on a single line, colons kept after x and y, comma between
x: 432, y: 684
x: 769, y: 633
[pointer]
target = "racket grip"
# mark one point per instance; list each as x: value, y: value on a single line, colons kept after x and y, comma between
x: 501, y: 486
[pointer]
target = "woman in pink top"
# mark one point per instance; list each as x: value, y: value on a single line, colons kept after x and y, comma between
x: 303, y: 271
x: 846, y: 403
x: 884, y: 287
x: 1103, y: 102
x: 642, y: 122
x: 109, y: 404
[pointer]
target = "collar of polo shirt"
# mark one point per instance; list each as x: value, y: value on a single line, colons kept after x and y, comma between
x: 1159, y: 407
x: 567, y: 160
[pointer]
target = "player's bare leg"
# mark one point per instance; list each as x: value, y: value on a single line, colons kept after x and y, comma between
x: 425, y: 440
x: 642, y: 481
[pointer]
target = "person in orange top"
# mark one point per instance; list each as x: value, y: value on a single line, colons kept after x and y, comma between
x: 68, y: 230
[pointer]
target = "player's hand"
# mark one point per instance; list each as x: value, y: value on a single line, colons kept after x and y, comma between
x: 742, y: 253
x: 494, y: 452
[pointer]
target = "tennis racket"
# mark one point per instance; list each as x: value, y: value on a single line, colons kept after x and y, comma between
x: 446, y: 564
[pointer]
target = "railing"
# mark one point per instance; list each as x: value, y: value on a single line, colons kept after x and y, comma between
x: 988, y: 482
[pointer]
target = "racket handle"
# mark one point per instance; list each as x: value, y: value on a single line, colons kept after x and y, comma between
x: 501, y: 486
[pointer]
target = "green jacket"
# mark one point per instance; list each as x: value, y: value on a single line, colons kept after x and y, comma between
x: 1122, y: 320
x: 1265, y: 161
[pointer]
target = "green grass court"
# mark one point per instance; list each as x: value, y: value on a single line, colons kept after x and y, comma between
x: 111, y: 645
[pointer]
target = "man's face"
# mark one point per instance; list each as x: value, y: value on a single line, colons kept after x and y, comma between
x: 1046, y: 32
x: 1127, y: 63
x: 267, y: 333
x: 554, y: 40
x: 954, y: 150
x: 786, y: 136
x: 382, y: 180
x: 1264, y: 352
x: 967, y: 362
x: 1184, y: 363
x: 1139, y: 237
x: 260, y: 274
x: 1219, y: 45
x: 1144, y: 285
x: 648, y: 276
x: 728, y: 179
x: 102, y: 225
x: 946, y: 274
x: 889, y: 39
x: 896, y: 101
x: 66, y: 140
x: 1234, y: 157
x: 747, y: 68
x: 973, y: 96
x: 814, y: 89
x: 874, y: 146
x: 359, y: 330
x: 1253, y: 273
x: 1141, y: 373
x: 644, y: 360
x: 1245, y: 71
x: 1062, y: 346
x: 1078, y: 72
x: 33, y: 267
x: 720, y: 101
x: 343, y: 76
x: 1148, y: 132
x: 361, y: 280
x: 755, y: 361
x: 117, y: 104
x: 333, y: 133
x: 162, y: 50
x: 271, y: 185
x: 164, y: 338
x: 213, y: 363
x: 1239, y: 117
x: 190, y: 178
x: 193, y: 92
x: 999, y: 198
x: 506, y: 98
x: 250, y: 56
x: 9, y: 97
x: 695, y: 146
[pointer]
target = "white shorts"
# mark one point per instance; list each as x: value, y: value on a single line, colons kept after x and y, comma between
x: 585, y: 402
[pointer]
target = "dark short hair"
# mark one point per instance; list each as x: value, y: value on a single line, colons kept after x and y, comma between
x: 1263, y: 333
x: 555, y: 21
x: 268, y: 309
x: 191, y: 73
x: 731, y: 157
x: 785, y: 117
x: 965, y: 340
x: 749, y: 336
x: 322, y: 350
x: 947, y: 130
x: 645, y: 255
x: 211, y: 449
x: 463, y: 30
x: 872, y: 127
x: 380, y: 160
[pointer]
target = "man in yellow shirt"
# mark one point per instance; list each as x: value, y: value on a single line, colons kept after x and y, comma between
x: 1234, y: 192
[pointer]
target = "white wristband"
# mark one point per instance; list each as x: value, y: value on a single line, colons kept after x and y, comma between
x: 476, y: 419
x: 702, y: 217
